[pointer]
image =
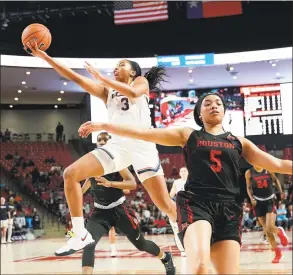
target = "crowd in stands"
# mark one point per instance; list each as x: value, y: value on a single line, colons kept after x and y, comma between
x: 41, y: 165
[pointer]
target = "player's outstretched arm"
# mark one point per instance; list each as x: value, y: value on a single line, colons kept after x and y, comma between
x: 128, y: 182
x: 86, y: 186
x: 257, y: 157
x: 95, y: 89
x: 249, y: 187
x: 139, y: 86
x: 167, y: 137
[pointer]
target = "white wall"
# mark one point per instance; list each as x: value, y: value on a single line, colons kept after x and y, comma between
x: 41, y: 121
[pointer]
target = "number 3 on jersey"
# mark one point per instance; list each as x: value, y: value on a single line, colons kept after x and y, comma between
x: 125, y: 104
x: 217, y: 165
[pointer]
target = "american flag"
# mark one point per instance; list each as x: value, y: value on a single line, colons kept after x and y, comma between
x: 132, y: 12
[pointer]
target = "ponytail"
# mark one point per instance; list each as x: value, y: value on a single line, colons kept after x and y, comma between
x: 155, y: 76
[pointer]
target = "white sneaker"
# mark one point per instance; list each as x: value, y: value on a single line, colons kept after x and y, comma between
x: 113, y: 253
x: 74, y: 244
x: 176, y: 238
x: 9, y: 241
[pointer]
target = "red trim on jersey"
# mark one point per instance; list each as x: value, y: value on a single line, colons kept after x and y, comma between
x: 129, y: 217
x: 189, y: 212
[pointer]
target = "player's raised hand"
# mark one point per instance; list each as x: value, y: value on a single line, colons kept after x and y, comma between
x: 102, y: 181
x: 33, y: 49
x: 88, y: 127
x: 93, y: 71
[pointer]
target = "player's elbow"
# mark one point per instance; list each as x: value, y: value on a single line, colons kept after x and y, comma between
x: 132, y: 185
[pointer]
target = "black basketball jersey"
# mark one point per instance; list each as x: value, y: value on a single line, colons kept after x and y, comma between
x: 106, y: 195
x: 262, y: 183
x: 213, y: 165
x: 3, y: 212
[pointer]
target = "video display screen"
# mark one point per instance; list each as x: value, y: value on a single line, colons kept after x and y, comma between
x: 263, y: 110
x: 175, y: 108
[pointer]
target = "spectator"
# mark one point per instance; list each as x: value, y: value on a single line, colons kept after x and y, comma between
x: 290, y: 193
x: 59, y: 132
x: 290, y: 216
x: 1, y: 136
x: 282, y: 220
x: 16, y: 159
x: 160, y: 226
x: 247, y: 222
x: 35, y: 175
x: 36, y: 220
x: 3, y: 220
x: 7, y: 135
x: 139, y: 193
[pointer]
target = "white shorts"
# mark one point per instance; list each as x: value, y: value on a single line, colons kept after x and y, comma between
x: 4, y: 223
x: 144, y: 158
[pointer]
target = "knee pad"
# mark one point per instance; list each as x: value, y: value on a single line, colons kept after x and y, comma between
x: 88, y: 255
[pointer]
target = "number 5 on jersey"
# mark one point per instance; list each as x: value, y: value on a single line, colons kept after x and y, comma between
x: 217, y: 165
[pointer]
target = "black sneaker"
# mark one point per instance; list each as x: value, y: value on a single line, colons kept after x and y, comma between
x: 169, y: 264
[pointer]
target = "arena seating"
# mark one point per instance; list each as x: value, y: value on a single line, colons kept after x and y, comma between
x: 287, y: 153
x: 171, y: 162
x: 37, y: 152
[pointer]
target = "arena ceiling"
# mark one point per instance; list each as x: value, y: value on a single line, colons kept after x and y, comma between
x: 43, y: 86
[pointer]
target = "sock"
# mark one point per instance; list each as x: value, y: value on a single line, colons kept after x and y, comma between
x: 9, y: 233
x: 113, y: 247
x: 78, y: 226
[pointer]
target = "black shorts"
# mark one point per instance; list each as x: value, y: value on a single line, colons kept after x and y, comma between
x: 224, y: 217
x: 122, y: 217
x: 264, y: 207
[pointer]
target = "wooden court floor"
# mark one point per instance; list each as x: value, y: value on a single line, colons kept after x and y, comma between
x: 37, y: 257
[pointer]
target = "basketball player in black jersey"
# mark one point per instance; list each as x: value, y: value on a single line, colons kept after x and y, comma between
x: 111, y: 210
x: 208, y: 213
x: 102, y: 139
x: 259, y: 183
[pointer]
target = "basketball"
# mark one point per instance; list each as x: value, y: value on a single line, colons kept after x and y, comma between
x: 39, y: 32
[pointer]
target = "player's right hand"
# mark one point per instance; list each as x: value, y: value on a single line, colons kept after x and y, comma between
x: 253, y: 202
x: 33, y: 49
x: 88, y: 127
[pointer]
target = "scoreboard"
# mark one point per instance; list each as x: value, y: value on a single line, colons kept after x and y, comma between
x: 262, y: 110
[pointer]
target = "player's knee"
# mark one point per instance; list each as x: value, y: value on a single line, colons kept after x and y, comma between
x: 69, y: 174
x: 200, y: 264
x: 140, y: 244
x: 166, y: 206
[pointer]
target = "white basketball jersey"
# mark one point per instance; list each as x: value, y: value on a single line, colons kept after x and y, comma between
x: 179, y: 183
x: 131, y: 112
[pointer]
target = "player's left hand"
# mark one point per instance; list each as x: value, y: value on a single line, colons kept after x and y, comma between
x: 88, y: 127
x: 102, y: 181
x: 93, y: 71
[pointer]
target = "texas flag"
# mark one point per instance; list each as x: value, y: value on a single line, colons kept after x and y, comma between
x: 207, y: 9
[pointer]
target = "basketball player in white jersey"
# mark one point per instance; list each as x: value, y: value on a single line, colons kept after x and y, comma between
x: 127, y: 99
x: 178, y: 185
